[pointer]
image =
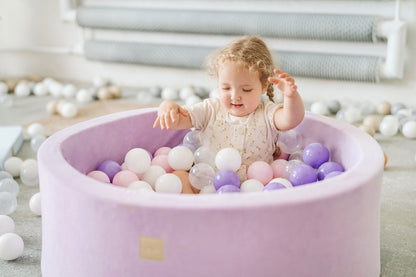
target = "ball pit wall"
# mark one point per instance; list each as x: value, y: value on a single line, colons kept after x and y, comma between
x: 330, y: 228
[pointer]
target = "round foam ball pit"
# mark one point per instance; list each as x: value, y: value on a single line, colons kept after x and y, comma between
x: 91, y: 228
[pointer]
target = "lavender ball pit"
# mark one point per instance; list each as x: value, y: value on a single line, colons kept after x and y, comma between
x: 330, y: 228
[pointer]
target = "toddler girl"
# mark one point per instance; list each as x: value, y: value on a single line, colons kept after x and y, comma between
x: 239, y: 118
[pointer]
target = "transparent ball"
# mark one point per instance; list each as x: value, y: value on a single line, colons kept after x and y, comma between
x: 201, y: 175
x: 290, y: 141
x: 36, y: 142
x: 9, y: 185
x: 205, y: 154
x: 228, y: 158
x: 289, y: 166
x: 192, y: 138
x: 6, y: 224
x: 29, y: 173
x: 8, y: 203
x: 5, y: 175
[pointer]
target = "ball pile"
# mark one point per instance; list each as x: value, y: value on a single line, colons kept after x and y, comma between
x: 194, y: 168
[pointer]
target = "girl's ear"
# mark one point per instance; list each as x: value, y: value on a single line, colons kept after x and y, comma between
x: 265, y: 87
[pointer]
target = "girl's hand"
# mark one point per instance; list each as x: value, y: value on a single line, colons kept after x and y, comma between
x: 285, y: 83
x: 168, y: 115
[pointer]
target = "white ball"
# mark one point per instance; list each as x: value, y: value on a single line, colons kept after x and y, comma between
x: 208, y: 189
x: 29, y: 174
x: 69, y: 91
x: 186, y: 92
x: 352, y: 114
x: 55, y: 89
x: 12, y: 165
x: 193, y: 100
x: 169, y: 94
x: 84, y: 96
x: 140, y: 185
x: 151, y: 175
x: 22, y: 89
x: 282, y: 181
x: 137, y: 160
x: 4, y: 89
x: 69, y: 110
x: 409, y: 129
x: 319, y: 108
x: 35, y: 129
x: 389, y: 126
x: 6, y: 224
x: 35, y: 204
x: 251, y: 185
x: 168, y: 183
x: 180, y: 158
x: 228, y: 158
x: 100, y: 81
x: 11, y: 246
x: 40, y: 89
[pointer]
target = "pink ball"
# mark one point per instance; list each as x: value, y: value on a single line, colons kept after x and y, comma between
x: 260, y: 171
x: 124, y: 178
x: 162, y: 151
x: 99, y: 176
x: 278, y: 167
x: 162, y: 160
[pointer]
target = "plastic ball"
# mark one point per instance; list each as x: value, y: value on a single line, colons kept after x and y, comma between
x: 69, y: 110
x: 55, y: 89
x: 251, y: 185
x: 298, y: 155
x: 334, y: 106
x: 332, y: 174
x: 193, y: 100
x: 8, y: 203
x: 383, y: 108
x: 209, y: 189
x: 228, y: 158
x: 226, y: 177
x: 99, y: 176
x: 409, y: 129
x: 289, y: 167
x: 29, y: 174
x: 4, y: 89
x: 315, y: 154
x: 278, y: 167
x: 192, y: 138
x: 11, y: 246
x: 319, y: 108
x: 83, y: 96
x: 151, y: 175
x: 290, y: 141
x: 205, y: 154
x: 181, y: 158
x: 22, y: 89
x: 163, y: 161
x: 282, y: 181
x: 69, y: 91
x: 52, y: 107
x: 186, y: 184
x: 137, y: 160
x: 169, y: 94
x: 140, y: 186
x: 5, y: 175
x: 327, y: 168
x: 162, y: 151
x: 9, y: 185
x: 6, y: 224
x: 110, y: 168
x: 368, y: 129
x: 273, y: 186
x: 373, y: 121
x: 36, y: 142
x: 35, y: 129
x: 396, y: 107
x: 389, y: 126
x: 168, y: 183
x: 186, y: 92
x: 12, y: 165
x: 201, y: 175
x: 302, y: 174
x: 124, y: 178
x: 352, y: 114
x: 260, y: 171
x: 35, y: 204
x: 228, y: 189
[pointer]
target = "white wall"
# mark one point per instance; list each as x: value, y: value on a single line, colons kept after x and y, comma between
x: 34, y: 40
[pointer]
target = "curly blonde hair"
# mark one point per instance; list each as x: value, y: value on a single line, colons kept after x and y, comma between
x: 250, y: 52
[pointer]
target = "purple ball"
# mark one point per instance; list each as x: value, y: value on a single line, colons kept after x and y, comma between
x: 315, y: 154
x: 110, y: 168
x: 228, y: 189
x: 302, y: 174
x: 273, y: 186
x: 332, y: 174
x: 328, y: 167
x: 226, y: 177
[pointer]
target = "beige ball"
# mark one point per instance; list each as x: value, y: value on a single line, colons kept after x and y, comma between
x: 115, y: 91
x: 368, y: 129
x: 372, y: 121
x: 384, y: 108
x: 104, y: 94
x: 52, y: 107
x: 12, y: 83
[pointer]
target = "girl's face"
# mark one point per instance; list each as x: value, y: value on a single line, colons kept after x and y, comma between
x: 239, y: 89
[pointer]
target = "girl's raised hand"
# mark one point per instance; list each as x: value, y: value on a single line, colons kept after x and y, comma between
x: 168, y: 115
x: 285, y: 83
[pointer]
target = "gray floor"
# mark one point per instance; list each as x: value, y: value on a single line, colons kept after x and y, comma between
x: 398, y: 203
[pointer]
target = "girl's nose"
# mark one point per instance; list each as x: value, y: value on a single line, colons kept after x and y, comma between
x: 235, y: 96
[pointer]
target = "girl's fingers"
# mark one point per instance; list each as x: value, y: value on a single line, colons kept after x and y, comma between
x: 156, y: 122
